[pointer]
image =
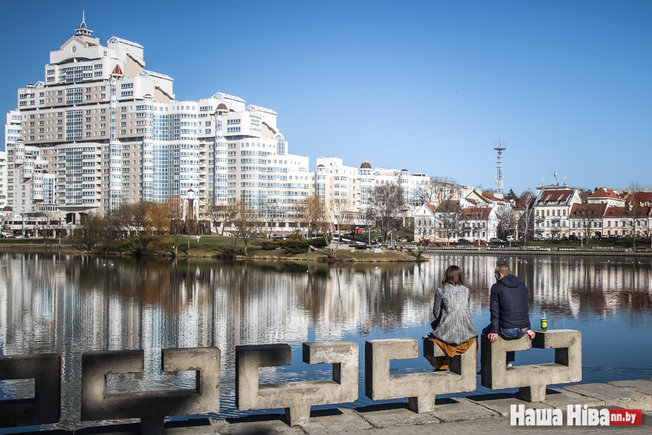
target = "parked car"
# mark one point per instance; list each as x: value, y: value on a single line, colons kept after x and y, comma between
x: 402, y: 239
x: 496, y: 240
x: 463, y: 241
x: 511, y: 238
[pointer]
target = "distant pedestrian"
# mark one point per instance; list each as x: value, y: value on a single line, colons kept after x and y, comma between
x: 453, y: 329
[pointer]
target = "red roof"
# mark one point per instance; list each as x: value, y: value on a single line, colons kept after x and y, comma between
x: 588, y: 210
x: 521, y: 202
x: 491, y: 197
x: 617, y: 212
x: 431, y: 207
x: 448, y: 205
x: 640, y: 198
x: 555, y: 197
x: 476, y: 213
x: 604, y: 192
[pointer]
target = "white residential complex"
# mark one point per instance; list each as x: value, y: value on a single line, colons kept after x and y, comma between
x: 101, y: 130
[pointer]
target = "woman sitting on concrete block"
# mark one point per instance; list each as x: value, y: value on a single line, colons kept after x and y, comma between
x: 453, y: 329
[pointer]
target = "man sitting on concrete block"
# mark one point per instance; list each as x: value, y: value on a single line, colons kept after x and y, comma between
x: 509, y: 308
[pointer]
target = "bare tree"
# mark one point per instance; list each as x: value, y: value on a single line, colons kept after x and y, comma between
x: 505, y: 220
x: 368, y: 221
x: 246, y: 222
x: 89, y: 233
x: 314, y: 212
x: 156, y: 219
x: 438, y: 189
x: 589, y: 215
x: 525, y: 223
x: 4, y: 227
x: 129, y: 222
x: 341, y: 217
x: 218, y: 215
x: 635, y: 211
x: 46, y: 223
x: 387, y: 206
x: 449, y: 217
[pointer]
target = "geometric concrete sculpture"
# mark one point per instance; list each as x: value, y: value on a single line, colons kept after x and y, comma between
x: 150, y: 406
x: 45, y: 406
x: 532, y: 379
x: 420, y: 388
x: 296, y: 397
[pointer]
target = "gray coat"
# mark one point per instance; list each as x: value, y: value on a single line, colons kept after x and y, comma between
x: 453, y: 323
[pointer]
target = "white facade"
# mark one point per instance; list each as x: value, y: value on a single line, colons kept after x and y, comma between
x: 338, y: 186
x: 101, y: 130
x: 552, y: 210
x: 425, y: 224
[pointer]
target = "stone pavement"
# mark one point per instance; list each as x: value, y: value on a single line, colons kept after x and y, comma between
x: 487, y: 414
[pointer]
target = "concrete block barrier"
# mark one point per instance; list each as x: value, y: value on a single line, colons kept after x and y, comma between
x: 150, y: 406
x: 296, y: 397
x: 532, y: 379
x: 419, y: 388
x: 45, y: 406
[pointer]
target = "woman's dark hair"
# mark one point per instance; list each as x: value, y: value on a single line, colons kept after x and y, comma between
x: 453, y: 275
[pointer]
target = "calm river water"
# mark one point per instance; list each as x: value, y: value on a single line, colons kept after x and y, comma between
x: 72, y: 304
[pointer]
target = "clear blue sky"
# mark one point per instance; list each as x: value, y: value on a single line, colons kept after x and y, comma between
x: 425, y: 85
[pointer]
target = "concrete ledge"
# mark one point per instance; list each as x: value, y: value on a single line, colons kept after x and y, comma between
x: 419, y: 388
x: 150, y: 406
x: 296, y: 397
x: 45, y: 406
x: 532, y: 379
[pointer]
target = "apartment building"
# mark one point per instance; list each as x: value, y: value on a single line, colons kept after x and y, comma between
x: 3, y: 179
x: 608, y: 213
x: 101, y: 130
x: 552, y: 210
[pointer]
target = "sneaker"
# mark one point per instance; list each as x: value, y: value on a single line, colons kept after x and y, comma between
x: 508, y: 365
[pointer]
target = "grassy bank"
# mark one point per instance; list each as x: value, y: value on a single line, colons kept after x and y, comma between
x: 216, y: 247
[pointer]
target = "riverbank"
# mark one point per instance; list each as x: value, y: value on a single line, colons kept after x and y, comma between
x: 535, y: 250
x: 484, y: 413
x: 215, y: 247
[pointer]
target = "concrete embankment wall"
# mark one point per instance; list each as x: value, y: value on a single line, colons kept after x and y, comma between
x: 419, y: 389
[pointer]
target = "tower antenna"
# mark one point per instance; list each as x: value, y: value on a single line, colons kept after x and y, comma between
x: 499, y: 147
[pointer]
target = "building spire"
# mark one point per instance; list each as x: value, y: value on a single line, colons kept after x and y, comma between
x: 83, y: 28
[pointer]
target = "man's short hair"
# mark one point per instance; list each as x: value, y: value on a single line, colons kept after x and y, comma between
x: 503, y: 269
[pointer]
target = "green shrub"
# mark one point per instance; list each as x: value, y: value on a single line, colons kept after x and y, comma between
x: 294, y: 245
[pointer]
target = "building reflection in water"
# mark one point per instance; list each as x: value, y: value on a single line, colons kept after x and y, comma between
x: 72, y: 304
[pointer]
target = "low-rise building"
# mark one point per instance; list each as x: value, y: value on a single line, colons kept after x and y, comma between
x: 479, y: 223
x: 586, y: 220
x: 552, y: 211
x: 425, y: 223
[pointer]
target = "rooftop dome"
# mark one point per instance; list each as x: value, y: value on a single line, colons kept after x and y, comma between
x: 365, y: 165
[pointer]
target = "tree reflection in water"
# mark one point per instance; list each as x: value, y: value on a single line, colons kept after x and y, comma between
x: 75, y: 304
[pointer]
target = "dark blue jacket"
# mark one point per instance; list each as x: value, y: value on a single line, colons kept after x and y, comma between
x: 509, y: 304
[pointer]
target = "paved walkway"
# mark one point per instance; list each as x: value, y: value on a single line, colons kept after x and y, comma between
x: 486, y: 414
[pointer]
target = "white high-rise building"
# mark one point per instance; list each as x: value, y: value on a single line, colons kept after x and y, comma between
x: 101, y: 130
x: 351, y: 188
